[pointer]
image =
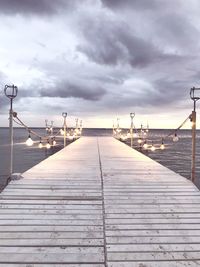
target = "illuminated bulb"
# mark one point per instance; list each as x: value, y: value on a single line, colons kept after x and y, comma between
x: 162, y: 146
x: 48, y: 145
x: 123, y: 137
x: 145, y: 146
x: 128, y: 135
x: 139, y: 141
x: 61, y: 132
x: 40, y: 144
x: 54, y: 142
x: 175, y: 138
x: 135, y: 135
x: 29, y: 141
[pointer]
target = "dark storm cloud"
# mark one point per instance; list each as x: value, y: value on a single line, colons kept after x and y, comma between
x: 31, y: 6
x: 67, y: 90
x: 113, y: 43
x: 137, y: 4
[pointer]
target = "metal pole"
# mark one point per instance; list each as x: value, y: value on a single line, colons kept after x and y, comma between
x: 11, y: 92
x: 131, y: 131
x: 132, y: 115
x: 65, y: 131
x: 11, y: 136
x: 64, y: 114
x: 193, y: 142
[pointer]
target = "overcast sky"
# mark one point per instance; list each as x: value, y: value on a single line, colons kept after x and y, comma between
x: 100, y: 59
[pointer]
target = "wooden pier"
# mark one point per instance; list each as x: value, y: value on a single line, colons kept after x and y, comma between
x: 99, y: 203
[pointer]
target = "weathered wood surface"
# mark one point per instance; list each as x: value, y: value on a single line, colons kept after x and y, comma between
x: 151, y: 214
x: 100, y: 203
x: 53, y: 217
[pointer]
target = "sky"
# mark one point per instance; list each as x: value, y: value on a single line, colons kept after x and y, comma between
x: 99, y: 60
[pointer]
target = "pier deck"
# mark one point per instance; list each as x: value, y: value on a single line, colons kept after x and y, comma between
x: 100, y: 203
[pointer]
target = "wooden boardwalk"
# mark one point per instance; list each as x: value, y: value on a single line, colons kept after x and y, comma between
x: 100, y: 203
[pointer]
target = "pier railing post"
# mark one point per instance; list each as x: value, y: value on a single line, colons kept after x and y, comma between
x: 132, y: 115
x: 195, y: 98
x: 11, y: 92
x: 193, y: 145
x: 64, y: 114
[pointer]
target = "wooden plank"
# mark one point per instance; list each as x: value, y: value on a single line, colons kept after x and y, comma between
x: 52, y: 254
x: 154, y: 256
x: 50, y: 228
x: 53, y: 242
x: 52, y: 235
x: 153, y: 263
x: 52, y: 265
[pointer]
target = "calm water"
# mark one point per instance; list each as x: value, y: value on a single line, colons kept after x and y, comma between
x: 176, y: 156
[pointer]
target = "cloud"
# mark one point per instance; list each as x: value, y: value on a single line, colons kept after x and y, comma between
x: 69, y: 90
x: 103, y: 57
x: 137, y: 4
x: 113, y: 43
x: 32, y: 7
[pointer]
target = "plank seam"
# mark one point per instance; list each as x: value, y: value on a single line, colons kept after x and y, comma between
x: 103, y: 206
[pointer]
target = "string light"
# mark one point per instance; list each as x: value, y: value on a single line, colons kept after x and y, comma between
x: 145, y: 146
x: 162, y: 146
x: 48, y: 145
x: 135, y: 134
x: 40, y: 144
x: 123, y: 137
x: 139, y: 140
x: 29, y: 141
x: 175, y: 138
x: 54, y: 142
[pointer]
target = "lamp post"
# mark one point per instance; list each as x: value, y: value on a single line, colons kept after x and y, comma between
x: 118, y: 128
x: 76, y: 130
x: 81, y: 126
x: 132, y: 115
x: 195, y: 98
x: 11, y: 92
x: 64, y: 114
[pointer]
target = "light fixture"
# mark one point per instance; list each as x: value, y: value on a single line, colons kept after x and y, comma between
x: 48, y: 145
x: 175, y: 137
x: 145, y: 146
x: 123, y: 137
x: 162, y: 146
x: 29, y: 141
x: 139, y: 141
x: 54, y: 142
x: 40, y: 144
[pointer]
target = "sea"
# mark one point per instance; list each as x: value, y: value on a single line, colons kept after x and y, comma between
x: 176, y: 155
